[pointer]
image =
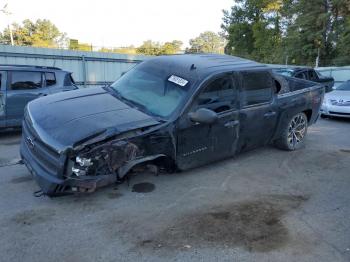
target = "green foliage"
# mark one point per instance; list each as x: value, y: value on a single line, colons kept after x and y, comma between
x: 170, y: 48
x: 149, y: 48
x: 130, y: 50
x: 272, y: 31
x: 154, y: 48
x: 41, y: 33
x: 207, y: 42
x: 75, y: 45
x: 343, y: 49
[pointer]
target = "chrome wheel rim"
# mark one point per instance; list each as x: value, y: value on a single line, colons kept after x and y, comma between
x: 296, y: 130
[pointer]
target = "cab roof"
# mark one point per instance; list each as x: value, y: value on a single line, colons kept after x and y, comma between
x: 14, y: 67
x: 205, y: 64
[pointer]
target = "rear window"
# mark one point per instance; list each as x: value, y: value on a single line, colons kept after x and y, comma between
x: 257, y: 88
x: 25, y: 80
x: 50, y: 79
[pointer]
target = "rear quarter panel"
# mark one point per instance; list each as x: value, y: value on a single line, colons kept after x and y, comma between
x: 308, y: 100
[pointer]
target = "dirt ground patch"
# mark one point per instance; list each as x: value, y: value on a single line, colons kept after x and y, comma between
x: 31, y: 217
x: 256, y: 225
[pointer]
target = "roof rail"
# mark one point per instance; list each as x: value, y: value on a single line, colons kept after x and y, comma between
x: 35, y: 66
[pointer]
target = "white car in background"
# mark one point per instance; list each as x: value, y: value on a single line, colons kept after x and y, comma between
x: 337, y: 102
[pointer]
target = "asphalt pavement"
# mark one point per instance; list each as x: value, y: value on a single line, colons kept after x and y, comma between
x: 263, y: 205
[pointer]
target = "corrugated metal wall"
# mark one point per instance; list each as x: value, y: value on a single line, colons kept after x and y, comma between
x: 89, y: 68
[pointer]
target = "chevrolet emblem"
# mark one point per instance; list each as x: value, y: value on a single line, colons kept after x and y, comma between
x: 30, y: 142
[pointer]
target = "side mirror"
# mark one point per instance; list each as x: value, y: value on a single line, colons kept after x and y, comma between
x: 203, y: 116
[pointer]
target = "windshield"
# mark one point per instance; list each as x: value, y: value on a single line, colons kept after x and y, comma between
x: 320, y: 75
x: 149, y: 87
x: 284, y: 72
x: 345, y: 86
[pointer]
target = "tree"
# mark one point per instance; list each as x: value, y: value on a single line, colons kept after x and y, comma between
x: 343, y: 47
x: 41, y: 33
x: 155, y: 48
x: 130, y: 50
x: 149, y: 48
x: 273, y: 31
x: 253, y: 29
x: 170, y: 48
x: 207, y: 42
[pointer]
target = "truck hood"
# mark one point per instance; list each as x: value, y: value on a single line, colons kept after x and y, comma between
x: 66, y: 119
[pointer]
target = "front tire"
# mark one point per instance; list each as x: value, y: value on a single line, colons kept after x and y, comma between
x: 293, y: 133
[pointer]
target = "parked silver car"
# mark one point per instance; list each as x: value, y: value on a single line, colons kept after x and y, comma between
x: 337, y: 102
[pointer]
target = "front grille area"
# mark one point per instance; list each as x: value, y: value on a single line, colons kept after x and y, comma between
x: 339, y: 103
x: 44, y: 156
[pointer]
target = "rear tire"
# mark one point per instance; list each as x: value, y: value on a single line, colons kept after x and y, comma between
x: 293, y: 133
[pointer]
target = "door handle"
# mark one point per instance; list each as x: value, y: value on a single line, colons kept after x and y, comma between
x: 42, y: 94
x: 270, y: 114
x: 231, y: 124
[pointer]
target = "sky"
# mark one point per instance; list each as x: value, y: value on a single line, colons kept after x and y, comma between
x: 122, y: 22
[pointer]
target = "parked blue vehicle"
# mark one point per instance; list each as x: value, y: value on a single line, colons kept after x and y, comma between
x: 20, y: 84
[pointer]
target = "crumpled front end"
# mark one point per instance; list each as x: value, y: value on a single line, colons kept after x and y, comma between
x: 100, y: 166
x: 77, y: 172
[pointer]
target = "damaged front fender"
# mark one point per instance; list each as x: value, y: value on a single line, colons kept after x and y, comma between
x: 104, y: 164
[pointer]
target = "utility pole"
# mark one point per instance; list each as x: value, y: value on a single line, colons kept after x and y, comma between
x: 7, y: 13
x: 318, y: 57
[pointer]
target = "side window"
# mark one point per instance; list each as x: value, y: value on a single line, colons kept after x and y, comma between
x: 68, y: 80
x: 312, y: 75
x: 257, y: 87
x: 301, y: 75
x: 50, y: 79
x: 219, y: 95
x: 22, y: 80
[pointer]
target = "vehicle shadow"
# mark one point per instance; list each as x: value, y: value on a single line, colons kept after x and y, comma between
x: 337, y: 119
x: 10, y: 136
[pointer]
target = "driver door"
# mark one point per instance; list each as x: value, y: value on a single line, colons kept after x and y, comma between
x: 198, y: 143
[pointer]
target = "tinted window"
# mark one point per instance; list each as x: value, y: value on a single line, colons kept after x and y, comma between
x: 256, y: 88
x: 68, y: 80
x: 219, y: 95
x: 312, y: 75
x: 301, y: 75
x: 50, y: 79
x: 25, y: 80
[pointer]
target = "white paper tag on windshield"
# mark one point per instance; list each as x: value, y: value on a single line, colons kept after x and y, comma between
x: 178, y: 80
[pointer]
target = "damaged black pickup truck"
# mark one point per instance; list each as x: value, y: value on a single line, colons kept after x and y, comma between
x: 176, y: 112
